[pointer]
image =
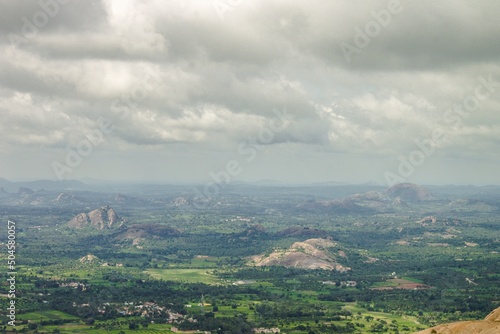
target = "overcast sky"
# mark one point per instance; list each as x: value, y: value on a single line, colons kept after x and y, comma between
x: 297, y: 91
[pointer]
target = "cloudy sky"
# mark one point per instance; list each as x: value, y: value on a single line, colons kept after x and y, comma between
x: 290, y: 90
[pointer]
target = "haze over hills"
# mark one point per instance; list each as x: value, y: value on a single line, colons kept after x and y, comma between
x: 294, y: 252
x: 335, y: 198
x: 372, y: 201
x: 420, y: 192
x: 408, y: 192
x: 12, y: 186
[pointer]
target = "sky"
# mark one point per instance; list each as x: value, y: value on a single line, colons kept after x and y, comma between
x: 245, y: 90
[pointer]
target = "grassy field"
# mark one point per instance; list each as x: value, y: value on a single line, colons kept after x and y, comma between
x: 408, y: 321
x: 79, y: 327
x: 46, y: 315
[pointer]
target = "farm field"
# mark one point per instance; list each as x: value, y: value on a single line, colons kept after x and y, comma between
x: 185, y: 275
x: 278, y: 262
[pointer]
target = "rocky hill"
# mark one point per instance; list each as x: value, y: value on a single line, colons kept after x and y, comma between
x: 371, y: 202
x: 408, y: 192
x: 141, y: 232
x: 67, y: 199
x: 309, y: 254
x: 102, y: 218
x: 490, y: 325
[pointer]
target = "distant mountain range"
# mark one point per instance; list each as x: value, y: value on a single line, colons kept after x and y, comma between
x: 372, y: 201
x: 13, y: 187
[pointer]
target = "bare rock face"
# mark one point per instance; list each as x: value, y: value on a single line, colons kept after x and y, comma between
x: 494, y: 315
x: 309, y: 254
x: 80, y: 221
x: 88, y: 258
x: 63, y: 197
x: 102, y: 218
x: 67, y: 199
x: 490, y: 325
x: 180, y: 201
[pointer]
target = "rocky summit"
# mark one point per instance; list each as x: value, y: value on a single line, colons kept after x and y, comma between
x: 102, y: 218
x: 308, y: 254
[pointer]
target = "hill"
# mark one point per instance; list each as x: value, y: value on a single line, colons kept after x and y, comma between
x: 102, y: 218
x: 309, y: 254
x: 141, y: 232
x: 395, y: 197
x: 490, y: 325
x: 12, y: 186
x: 408, y: 192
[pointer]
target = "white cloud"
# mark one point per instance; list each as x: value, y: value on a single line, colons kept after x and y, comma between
x: 218, y: 80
